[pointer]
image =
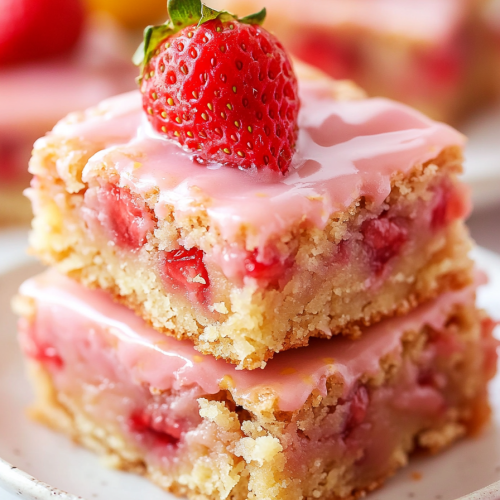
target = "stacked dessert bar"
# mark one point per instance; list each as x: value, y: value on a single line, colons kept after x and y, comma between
x: 290, y: 320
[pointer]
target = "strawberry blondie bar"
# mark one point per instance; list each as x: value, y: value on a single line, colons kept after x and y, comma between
x: 220, y: 213
x: 331, y: 420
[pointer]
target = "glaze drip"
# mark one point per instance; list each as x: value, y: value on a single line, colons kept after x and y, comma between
x: 346, y: 150
x: 167, y: 363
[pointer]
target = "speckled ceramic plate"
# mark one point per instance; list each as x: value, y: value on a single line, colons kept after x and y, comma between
x: 49, y: 457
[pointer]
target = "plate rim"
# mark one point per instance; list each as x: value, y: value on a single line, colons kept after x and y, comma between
x: 28, y: 487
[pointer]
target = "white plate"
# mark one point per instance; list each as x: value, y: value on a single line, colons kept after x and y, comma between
x: 468, y: 466
x: 482, y: 158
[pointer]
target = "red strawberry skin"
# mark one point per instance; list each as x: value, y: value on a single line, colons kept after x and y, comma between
x: 124, y: 216
x: 226, y: 90
x: 38, y: 29
x: 182, y: 266
x: 383, y: 239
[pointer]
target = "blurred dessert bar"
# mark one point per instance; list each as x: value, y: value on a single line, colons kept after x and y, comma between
x: 431, y: 54
x: 68, y: 71
x: 331, y: 420
x: 491, y: 16
x: 368, y: 227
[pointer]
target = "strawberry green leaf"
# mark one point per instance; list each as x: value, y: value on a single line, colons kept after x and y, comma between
x: 184, y: 12
x: 207, y: 14
x: 257, y: 18
x: 138, y: 56
x: 153, y: 36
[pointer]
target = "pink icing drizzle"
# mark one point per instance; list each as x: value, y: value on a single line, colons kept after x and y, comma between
x: 345, y: 150
x: 168, y: 363
x: 112, y: 121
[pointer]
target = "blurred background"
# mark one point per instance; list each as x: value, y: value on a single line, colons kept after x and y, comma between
x: 441, y: 56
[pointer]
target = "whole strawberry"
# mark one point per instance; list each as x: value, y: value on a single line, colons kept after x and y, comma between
x: 221, y: 86
x: 37, y: 29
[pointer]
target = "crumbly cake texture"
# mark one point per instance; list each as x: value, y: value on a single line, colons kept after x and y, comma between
x: 433, y: 55
x: 423, y: 392
x: 369, y: 261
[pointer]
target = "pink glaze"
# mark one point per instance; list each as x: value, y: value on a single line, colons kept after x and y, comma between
x: 345, y: 150
x: 113, y: 121
x: 166, y: 363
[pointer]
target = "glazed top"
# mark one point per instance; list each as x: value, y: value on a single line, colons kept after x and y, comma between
x: 345, y: 149
x: 166, y: 363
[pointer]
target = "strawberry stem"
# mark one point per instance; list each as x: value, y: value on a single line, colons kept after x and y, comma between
x: 184, y: 13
